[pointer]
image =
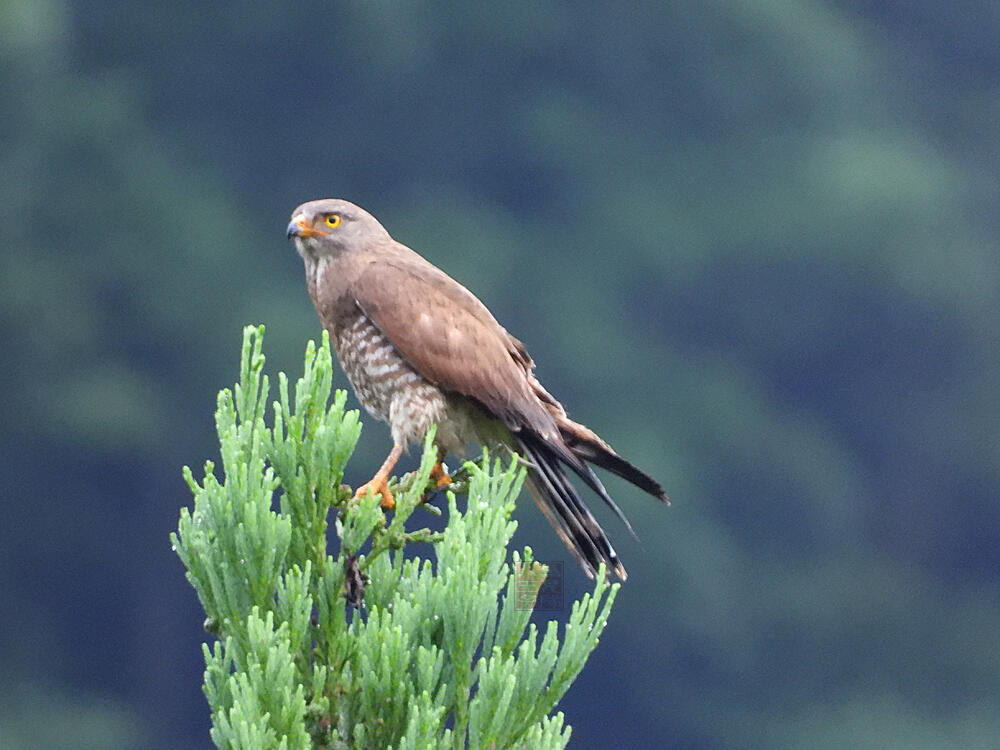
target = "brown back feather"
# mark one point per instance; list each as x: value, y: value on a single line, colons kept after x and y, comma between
x: 450, y: 337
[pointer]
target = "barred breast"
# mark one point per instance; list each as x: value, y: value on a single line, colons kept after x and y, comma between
x: 388, y: 386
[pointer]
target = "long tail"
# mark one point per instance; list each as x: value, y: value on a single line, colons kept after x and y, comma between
x: 562, y: 505
x: 588, y: 446
x: 559, y: 500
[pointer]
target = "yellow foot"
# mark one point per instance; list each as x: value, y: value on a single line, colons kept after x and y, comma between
x: 377, y: 486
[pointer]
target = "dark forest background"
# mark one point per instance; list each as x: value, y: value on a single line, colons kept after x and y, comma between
x: 754, y: 244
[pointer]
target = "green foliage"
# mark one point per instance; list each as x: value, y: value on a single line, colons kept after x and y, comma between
x: 441, y: 656
x: 792, y: 204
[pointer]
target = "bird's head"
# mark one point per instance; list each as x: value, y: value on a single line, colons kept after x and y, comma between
x: 329, y: 227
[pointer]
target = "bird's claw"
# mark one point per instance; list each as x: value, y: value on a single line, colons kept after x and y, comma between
x: 439, y: 479
x: 440, y: 476
x: 377, y: 486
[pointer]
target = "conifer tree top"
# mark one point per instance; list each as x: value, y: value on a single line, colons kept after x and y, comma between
x: 397, y: 637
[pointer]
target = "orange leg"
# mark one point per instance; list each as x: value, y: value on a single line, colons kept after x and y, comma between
x: 379, y: 484
x: 438, y: 474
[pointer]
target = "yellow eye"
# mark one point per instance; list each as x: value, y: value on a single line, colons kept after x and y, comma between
x: 332, y: 220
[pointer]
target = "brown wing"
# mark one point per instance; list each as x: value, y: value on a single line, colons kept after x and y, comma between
x: 450, y: 338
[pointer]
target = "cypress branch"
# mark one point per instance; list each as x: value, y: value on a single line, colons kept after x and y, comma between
x: 361, y: 647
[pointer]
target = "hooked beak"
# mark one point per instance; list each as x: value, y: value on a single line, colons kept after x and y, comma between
x: 299, y: 227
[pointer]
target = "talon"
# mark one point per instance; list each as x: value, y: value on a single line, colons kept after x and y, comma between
x: 377, y: 486
x: 440, y: 475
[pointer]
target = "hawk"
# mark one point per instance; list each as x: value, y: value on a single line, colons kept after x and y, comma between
x: 420, y: 349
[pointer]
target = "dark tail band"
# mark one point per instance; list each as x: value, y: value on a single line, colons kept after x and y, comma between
x: 562, y: 505
x: 559, y: 500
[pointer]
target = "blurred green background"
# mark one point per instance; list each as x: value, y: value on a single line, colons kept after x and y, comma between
x: 754, y: 244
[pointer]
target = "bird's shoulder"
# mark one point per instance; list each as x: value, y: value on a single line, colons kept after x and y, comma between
x: 405, y: 272
x: 447, y: 334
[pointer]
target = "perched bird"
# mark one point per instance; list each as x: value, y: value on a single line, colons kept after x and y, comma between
x: 420, y: 349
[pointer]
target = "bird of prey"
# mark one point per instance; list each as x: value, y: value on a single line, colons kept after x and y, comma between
x: 420, y: 349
